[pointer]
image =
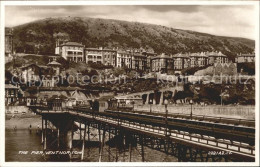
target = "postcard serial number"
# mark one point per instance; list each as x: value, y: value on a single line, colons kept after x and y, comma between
x: 219, y: 152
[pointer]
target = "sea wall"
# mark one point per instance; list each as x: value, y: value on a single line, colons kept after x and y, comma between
x: 239, y: 111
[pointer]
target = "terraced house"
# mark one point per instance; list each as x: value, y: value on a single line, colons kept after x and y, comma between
x: 141, y: 59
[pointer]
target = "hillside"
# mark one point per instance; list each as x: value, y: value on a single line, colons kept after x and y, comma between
x: 39, y: 36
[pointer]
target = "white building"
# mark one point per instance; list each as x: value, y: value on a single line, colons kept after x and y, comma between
x: 71, y: 51
x: 124, y: 59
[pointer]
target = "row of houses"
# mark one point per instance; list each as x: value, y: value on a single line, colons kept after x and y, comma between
x: 133, y: 59
x: 137, y: 59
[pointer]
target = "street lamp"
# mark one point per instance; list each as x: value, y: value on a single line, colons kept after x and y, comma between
x: 166, y: 116
x: 191, y: 102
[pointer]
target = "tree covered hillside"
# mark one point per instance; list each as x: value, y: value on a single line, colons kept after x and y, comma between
x: 39, y: 36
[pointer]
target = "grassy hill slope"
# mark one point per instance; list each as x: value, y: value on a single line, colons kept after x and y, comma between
x: 39, y: 36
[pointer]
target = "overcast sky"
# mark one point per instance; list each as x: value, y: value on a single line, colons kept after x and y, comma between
x: 228, y: 20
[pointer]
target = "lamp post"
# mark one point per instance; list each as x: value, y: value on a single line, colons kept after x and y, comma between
x: 166, y: 116
x: 191, y: 102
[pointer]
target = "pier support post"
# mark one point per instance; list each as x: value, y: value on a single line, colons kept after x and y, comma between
x: 99, y: 134
x: 142, y: 148
x: 161, y: 98
x: 58, y: 136
x: 71, y: 139
x: 42, y: 132
x: 147, y: 99
x: 80, y: 131
x: 102, y: 145
x: 88, y: 133
x: 109, y: 132
x: 130, y: 148
x: 83, y: 143
x: 45, y: 136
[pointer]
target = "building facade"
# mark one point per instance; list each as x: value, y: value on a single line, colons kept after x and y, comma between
x: 55, y: 66
x: 109, y: 57
x: 100, y: 55
x: 93, y: 55
x: 31, y: 73
x: 162, y: 63
x: 139, y: 62
x: 245, y: 58
x: 216, y: 57
x: 71, y: 51
x: 198, y: 59
x: 181, y: 61
x: 149, y: 56
x: 124, y: 59
x: 11, y: 94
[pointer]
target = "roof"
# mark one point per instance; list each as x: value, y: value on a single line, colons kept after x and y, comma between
x: 97, y: 49
x: 54, y: 63
x: 180, y: 55
x: 29, y: 95
x: 201, y: 54
x: 162, y: 56
x: 72, y: 44
x: 54, y: 97
x: 123, y: 52
x: 216, y: 54
x: 28, y: 65
x: 246, y: 55
x: 74, y: 50
x: 105, y: 98
x: 10, y: 86
x: 139, y: 55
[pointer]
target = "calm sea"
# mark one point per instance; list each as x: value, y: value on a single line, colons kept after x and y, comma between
x: 22, y: 146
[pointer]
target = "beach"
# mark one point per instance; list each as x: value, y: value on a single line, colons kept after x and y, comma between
x: 22, y: 121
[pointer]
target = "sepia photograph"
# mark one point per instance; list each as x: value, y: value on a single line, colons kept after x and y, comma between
x: 162, y: 82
